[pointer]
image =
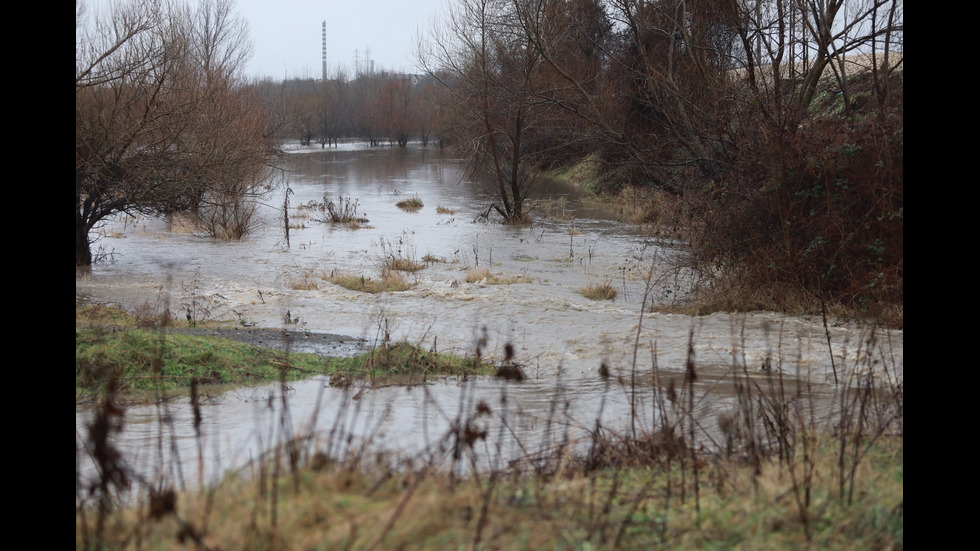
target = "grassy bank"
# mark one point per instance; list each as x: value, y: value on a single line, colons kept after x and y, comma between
x: 122, y: 353
x: 661, y: 506
x: 141, y: 360
x: 740, y: 282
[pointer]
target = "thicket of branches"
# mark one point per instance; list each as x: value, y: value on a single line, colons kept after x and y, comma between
x: 381, y: 108
x: 773, y: 129
x: 163, y: 122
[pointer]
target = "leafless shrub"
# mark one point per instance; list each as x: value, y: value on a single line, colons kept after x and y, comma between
x: 344, y: 211
x: 399, y: 256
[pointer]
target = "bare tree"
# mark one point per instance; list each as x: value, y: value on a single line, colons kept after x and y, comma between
x: 780, y: 144
x: 493, y: 72
x: 161, y: 121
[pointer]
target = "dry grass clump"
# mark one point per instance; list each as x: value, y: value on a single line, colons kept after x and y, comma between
x: 443, y: 210
x: 474, y: 275
x: 388, y: 282
x: 306, y: 280
x: 662, y: 213
x: 403, y: 265
x: 398, y: 256
x: 102, y: 315
x: 303, y: 284
x: 601, y: 291
x: 485, y: 276
x: 184, y: 222
x: 412, y: 204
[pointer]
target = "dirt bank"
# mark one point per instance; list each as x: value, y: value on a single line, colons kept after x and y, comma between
x: 322, y: 344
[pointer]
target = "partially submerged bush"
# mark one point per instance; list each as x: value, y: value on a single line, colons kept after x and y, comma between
x: 303, y: 284
x: 474, y: 275
x: 388, y: 282
x: 601, y: 291
x: 403, y: 265
x: 411, y: 204
x: 823, y: 212
x: 344, y: 211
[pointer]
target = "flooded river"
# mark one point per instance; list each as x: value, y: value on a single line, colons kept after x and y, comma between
x: 561, y: 338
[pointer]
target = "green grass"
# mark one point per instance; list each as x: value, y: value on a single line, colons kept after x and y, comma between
x: 111, y: 350
x: 586, y: 173
x: 144, y: 360
x: 403, y: 362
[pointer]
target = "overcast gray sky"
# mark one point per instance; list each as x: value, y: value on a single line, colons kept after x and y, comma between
x: 287, y: 34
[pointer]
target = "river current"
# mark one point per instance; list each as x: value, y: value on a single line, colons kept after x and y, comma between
x: 560, y: 337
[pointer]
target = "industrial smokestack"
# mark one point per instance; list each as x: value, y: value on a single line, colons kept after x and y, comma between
x: 324, y: 50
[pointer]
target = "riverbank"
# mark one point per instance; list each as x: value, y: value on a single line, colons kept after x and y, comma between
x: 775, y: 480
x: 719, y: 289
x: 299, y: 340
x: 643, y: 491
x: 119, y: 357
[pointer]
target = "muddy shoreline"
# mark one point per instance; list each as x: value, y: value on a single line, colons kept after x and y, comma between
x: 321, y: 344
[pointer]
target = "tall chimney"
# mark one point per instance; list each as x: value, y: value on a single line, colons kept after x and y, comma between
x: 324, y: 50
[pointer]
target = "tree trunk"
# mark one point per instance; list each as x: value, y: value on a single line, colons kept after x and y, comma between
x: 83, y: 249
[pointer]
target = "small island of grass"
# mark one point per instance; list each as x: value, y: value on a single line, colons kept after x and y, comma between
x: 113, y: 351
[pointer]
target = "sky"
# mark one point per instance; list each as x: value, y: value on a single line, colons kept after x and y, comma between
x: 287, y: 34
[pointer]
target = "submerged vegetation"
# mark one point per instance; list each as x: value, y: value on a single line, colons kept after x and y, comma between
x: 599, y: 291
x: 486, y: 277
x: 389, y: 281
x: 412, y: 204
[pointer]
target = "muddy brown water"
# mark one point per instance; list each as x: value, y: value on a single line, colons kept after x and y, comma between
x: 560, y: 337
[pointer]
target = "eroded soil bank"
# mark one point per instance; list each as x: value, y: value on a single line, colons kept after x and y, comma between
x: 310, y: 342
